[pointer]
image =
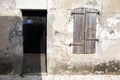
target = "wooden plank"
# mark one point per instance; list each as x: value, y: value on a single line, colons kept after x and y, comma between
x: 78, y: 33
x: 79, y: 10
x: 90, y: 32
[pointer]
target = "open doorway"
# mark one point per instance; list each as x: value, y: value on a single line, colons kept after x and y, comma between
x: 34, y: 41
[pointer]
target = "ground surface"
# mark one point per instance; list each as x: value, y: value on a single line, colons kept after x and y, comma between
x: 63, y: 77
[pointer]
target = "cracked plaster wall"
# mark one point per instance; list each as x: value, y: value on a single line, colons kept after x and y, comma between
x: 60, y: 59
x: 11, y: 49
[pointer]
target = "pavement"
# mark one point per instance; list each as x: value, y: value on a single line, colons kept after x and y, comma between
x: 61, y: 77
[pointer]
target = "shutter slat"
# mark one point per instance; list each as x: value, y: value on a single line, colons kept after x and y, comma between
x: 78, y: 33
x: 90, y: 32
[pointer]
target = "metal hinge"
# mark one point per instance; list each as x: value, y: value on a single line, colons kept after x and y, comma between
x: 76, y: 44
x: 93, y: 40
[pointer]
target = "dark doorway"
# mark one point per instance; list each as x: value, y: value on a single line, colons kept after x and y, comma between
x: 34, y: 44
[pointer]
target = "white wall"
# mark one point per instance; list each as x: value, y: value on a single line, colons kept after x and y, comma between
x: 31, y: 4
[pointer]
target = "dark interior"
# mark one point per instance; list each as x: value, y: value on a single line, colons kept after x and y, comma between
x: 34, y: 41
x: 34, y: 31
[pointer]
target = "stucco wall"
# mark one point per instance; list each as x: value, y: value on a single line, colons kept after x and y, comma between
x: 31, y: 4
x: 61, y: 60
x: 10, y: 38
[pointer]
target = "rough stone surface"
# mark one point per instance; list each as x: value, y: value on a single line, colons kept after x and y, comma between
x: 11, y: 39
x: 7, y: 4
x: 62, y: 77
x: 60, y: 59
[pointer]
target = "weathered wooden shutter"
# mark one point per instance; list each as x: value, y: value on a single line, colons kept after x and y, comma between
x: 84, y: 33
x: 90, y: 31
x: 78, y: 32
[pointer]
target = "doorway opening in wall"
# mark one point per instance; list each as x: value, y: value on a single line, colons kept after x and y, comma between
x: 34, y: 41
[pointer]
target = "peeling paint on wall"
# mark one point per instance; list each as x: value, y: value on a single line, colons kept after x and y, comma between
x: 60, y: 59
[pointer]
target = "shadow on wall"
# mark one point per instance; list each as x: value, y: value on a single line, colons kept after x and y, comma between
x: 110, y: 68
x: 11, y: 42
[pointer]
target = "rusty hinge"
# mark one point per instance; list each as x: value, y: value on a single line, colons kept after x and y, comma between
x: 93, y: 40
x: 77, y: 13
x: 76, y: 44
x: 82, y: 13
x: 97, y: 12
